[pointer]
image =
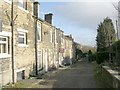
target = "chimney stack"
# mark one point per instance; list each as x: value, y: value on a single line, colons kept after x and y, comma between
x: 48, y: 18
x: 37, y: 9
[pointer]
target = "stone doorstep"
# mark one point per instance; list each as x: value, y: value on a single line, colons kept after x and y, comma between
x: 113, y: 72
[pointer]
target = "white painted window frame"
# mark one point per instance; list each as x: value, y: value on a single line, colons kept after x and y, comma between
x: 7, y: 35
x: 24, y: 36
x: 56, y: 36
x: 8, y: 1
x: 24, y: 32
x: 0, y: 23
x: 39, y: 31
x: 4, y: 42
x: 61, y: 38
x: 22, y: 8
x: 40, y: 62
x: 51, y: 37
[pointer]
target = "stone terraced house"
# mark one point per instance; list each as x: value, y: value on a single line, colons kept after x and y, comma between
x: 37, y: 45
x: 69, y: 50
x: 23, y: 41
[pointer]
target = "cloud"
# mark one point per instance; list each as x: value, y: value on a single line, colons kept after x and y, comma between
x: 85, y: 37
x: 83, y: 18
x: 86, y: 14
x: 77, y: 0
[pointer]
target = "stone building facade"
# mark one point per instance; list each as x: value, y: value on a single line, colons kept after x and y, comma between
x: 49, y: 45
x: 38, y: 46
x: 45, y: 45
x: 69, y: 52
x: 23, y: 41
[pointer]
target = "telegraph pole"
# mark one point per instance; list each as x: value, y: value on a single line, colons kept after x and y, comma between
x: 12, y: 43
x: 11, y: 20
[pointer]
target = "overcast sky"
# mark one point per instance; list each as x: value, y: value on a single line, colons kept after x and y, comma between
x: 80, y: 18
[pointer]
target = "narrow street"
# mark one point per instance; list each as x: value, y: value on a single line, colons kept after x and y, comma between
x: 80, y: 75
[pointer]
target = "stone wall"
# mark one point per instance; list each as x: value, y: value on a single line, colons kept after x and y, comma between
x: 110, y: 77
x: 5, y: 71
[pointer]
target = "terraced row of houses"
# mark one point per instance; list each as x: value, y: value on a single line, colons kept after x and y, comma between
x: 29, y: 45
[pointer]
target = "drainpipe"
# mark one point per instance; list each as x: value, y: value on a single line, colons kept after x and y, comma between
x: 36, y: 45
x: 36, y: 16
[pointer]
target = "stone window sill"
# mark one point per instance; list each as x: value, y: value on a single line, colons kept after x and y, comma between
x: 5, y: 56
x: 8, y: 1
x: 22, y: 45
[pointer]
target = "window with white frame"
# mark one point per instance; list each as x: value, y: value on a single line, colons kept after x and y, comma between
x: 22, y: 38
x: 9, y: 1
x: 56, y: 37
x: 39, y: 34
x: 23, y: 4
x: 3, y: 45
x: 0, y: 25
x: 39, y: 61
x: 51, y: 38
x: 61, y: 38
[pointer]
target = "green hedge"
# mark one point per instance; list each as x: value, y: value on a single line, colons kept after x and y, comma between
x: 104, y: 54
x: 116, y: 45
x: 101, y: 57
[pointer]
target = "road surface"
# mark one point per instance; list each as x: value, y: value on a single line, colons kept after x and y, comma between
x: 80, y: 75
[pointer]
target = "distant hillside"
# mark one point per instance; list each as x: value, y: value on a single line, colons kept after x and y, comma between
x: 85, y: 48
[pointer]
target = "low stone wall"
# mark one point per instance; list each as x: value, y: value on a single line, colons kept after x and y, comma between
x: 111, y: 77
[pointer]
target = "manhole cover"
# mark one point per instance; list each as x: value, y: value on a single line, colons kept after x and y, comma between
x: 43, y: 83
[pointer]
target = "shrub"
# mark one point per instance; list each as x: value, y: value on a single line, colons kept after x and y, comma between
x: 101, y: 57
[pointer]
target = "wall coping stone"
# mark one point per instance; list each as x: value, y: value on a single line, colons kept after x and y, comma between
x: 112, y: 72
